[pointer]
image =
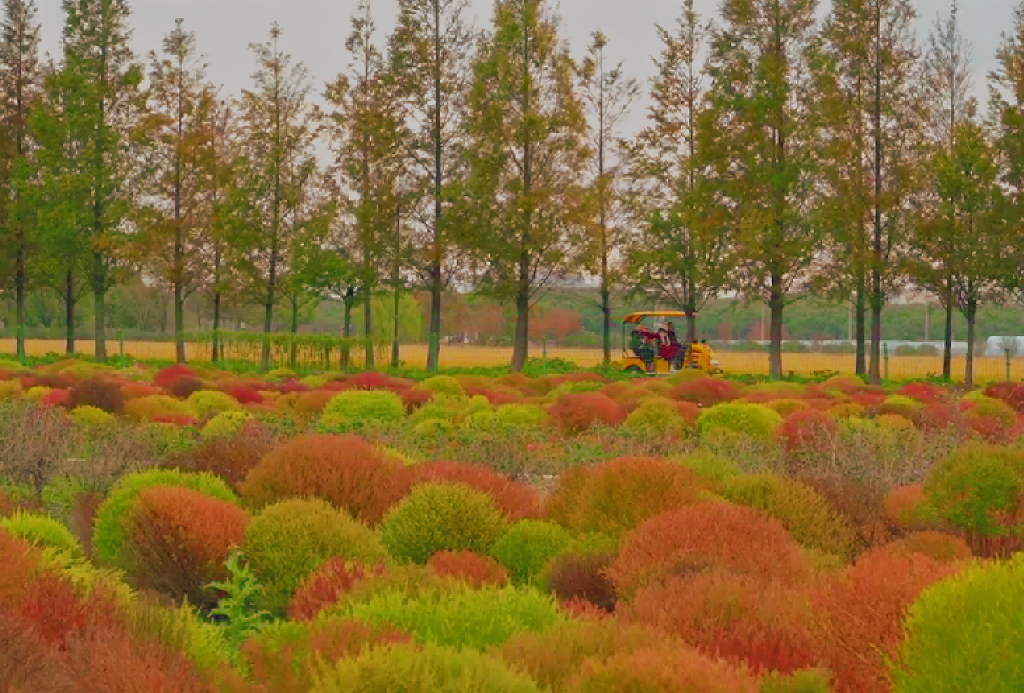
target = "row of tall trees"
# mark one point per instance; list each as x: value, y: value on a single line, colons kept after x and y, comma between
x: 781, y: 156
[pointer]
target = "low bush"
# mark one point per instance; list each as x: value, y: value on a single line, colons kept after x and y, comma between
x: 906, y: 507
x: 92, y: 419
x: 577, y: 412
x: 230, y: 458
x: 954, y: 627
x: 208, y: 403
x: 289, y: 540
x: 472, y: 568
x: 152, y: 407
x: 515, y: 500
x: 327, y: 585
x: 754, y: 420
x: 991, y: 407
x: 101, y: 393
x: 786, y: 407
x: 713, y: 469
x: 109, y: 531
x: 806, y: 430
x: 41, y: 531
x: 527, y: 546
x: 225, y: 425
x: 458, y: 615
x: 443, y: 385
x: 312, y: 403
x: 657, y: 418
x: 940, y: 546
x: 350, y: 473
x: 441, y: 517
x: 363, y: 409
x: 582, y: 576
x: 422, y: 670
x: 178, y: 540
x: 620, y: 494
x: 706, y: 392
x: 185, y: 387
x: 166, y: 377
x: 664, y: 670
x: 705, y: 535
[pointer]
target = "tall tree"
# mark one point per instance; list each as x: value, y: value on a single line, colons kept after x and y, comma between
x: 432, y: 52
x: 679, y: 256
x: 527, y: 131
x: 607, y: 95
x: 280, y: 133
x: 21, y: 82
x: 180, y: 105
x: 760, y: 134
x: 102, y: 100
x: 947, y: 82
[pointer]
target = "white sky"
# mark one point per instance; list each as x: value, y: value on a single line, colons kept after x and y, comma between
x: 315, y: 30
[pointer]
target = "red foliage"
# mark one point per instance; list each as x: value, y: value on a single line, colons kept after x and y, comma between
x: 244, y: 393
x: 925, y: 392
x: 806, y: 429
x: 497, y: 397
x: 57, y: 381
x: 733, y: 537
x: 902, y: 504
x: 55, y: 610
x: 414, y: 397
x: 1011, y: 393
x: 583, y: 610
x: 27, y: 662
x: 871, y: 401
x: 469, y: 567
x: 231, y: 458
x: 344, y: 470
x: 706, y: 391
x: 577, y: 412
x: 327, y: 585
x: 369, y: 380
x: 185, y: 386
x: 20, y: 564
x: 689, y: 411
x: 7, y: 506
x: 102, y: 393
x: 312, y: 402
x: 136, y: 390
x: 56, y: 398
x: 580, y: 578
x: 763, y: 625
x: 581, y: 377
x: 289, y: 386
x: 666, y: 670
x: 861, y: 611
x: 941, y: 546
x: 166, y: 377
x: 517, y: 501
x: 178, y: 540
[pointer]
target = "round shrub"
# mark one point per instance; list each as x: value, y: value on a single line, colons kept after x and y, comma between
x: 327, y: 585
x: 618, y: 495
x: 706, y: 392
x: 527, y: 546
x: 806, y: 429
x: 432, y: 429
x: 98, y: 392
x: 109, y: 528
x: 906, y: 507
x: 178, y: 540
x: 422, y: 670
x: 211, y: 402
x: 804, y: 512
x: 656, y: 417
x: 713, y: 469
x: 989, y: 406
x: 183, y: 388
x: 156, y: 406
x: 953, y: 628
x: 578, y: 412
x: 41, y: 531
x: 230, y: 458
x: 580, y: 576
x: 361, y: 409
x: 92, y: 418
x: 312, y: 403
x: 349, y: 472
x: 441, y: 517
x: 665, y: 669
x: 472, y: 568
x: 224, y: 425
x: 289, y: 540
x: 166, y: 377
x: 940, y: 546
x: 457, y: 614
x: 443, y: 385
x: 732, y: 537
x: 753, y: 420
x: 515, y: 500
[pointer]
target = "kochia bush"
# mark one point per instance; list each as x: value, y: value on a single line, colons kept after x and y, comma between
x: 327, y: 585
x: 578, y: 412
x: 469, y: 567
x: 515, y: 500
x: 528, y: 545
x: 361, y: 409
x: 754, y: 420
x: 41, y: 531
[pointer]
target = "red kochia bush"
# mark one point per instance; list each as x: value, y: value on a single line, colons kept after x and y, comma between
x: 763, y: 625
x: 344, y: 470
x: 178, y: 540
x: 924, y: 392
x: 579, y: 411
x: 941, y: 546
x: 28, y: 662
x: 231, y: 458
x: 183, y: 387
x: 806, y: 429
x: 415, y: 397
x: 1011, y: 393
x: 369, y: 381
x: 706, y: 391
x: 166, y: 377
x: 576, y: 578
x: 469, y: 567
x: 20, y: 564
x: 56, y: 398
x: 102, y: 393
x: 136, y: 390
x: 860, y: 614
x: 244, y: 393
x: 327, y: 585
x: 732, y: 537
x: 517, y: 501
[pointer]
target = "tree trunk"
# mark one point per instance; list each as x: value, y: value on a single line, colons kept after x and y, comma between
x: 69, y: 307
x: 606, y: 314
x: 368, y: 328
x: 346, y: 329
x: 434, y: 348
x: 691, y: 325
x: 776, y: 304
x: 293, y: 356
x: 875, y: 368
x: 971, y: 314
x: 179, y: 309
x: 860, y: 326
x: 268, y: 317
x: 19, y: 297
x: 947, y: 348
x: 99, y: 293
x: 216, y: 327
x: 521, y: 347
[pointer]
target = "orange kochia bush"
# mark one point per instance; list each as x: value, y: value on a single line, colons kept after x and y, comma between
x: 343, y: 470
x: 577, y: 412
x: 806, y: 429
x: 470, y: 567
x: 715, y: 534
x: 664, y: 669
x: 327, y: 585
x: 517, y: 501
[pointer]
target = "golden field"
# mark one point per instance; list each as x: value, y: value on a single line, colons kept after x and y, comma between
x: 986, y: 369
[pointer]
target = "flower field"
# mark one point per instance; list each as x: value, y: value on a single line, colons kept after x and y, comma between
x: 188, y: 529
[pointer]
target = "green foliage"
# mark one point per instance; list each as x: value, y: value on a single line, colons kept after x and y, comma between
x: 109, y: 526
x: 457, y: 614
x: 656, y: 417
x: 956, y: 628
x: 443, y: 385
x: 453, y: 408
x: 441, y: 517
x: 59, y: 496
x: 574, y: 387
x: 224, y: 424
x: 803, y: 681
x: 753, y: 420
x: 430, y: 429
x: 428, y: 669
x: 528, y: 545
x: 42, y: 531
x: 353, y: 410
x: 289, y: 540
x: 211, y: 402
x: 976, y: 484
x: 92, y: 419
x: 714, y: 469
x: 179, y: 629
x: 237, y: 610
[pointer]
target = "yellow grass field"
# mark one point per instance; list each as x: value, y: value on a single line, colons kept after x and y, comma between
x: 986, y: 369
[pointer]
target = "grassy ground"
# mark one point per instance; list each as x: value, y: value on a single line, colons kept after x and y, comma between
x: 986, y: 369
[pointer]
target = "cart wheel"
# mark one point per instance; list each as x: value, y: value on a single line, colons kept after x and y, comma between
x: 634, y: 370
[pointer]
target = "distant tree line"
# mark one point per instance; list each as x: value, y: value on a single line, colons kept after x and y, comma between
x: 783, y: 157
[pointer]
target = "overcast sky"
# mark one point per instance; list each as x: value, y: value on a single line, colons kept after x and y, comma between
x: 315, y: 30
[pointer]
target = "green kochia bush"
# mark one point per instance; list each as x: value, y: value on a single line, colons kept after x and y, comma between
x: 976, y: 484
x: 443, y: 385
x: 457, y: 614
x: 528, y: 545
x: 291, y: 539
x: 441, y: 517
x: 42, y: 531
x: 212, y: 402
x: 356, y: 409
x: 108, y: 537
x: 754, y: 420
x: 966, y: 634
x: 423, y: 670
x: 225, y: 424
